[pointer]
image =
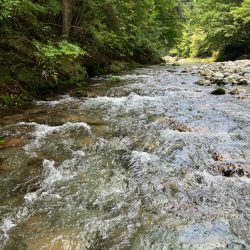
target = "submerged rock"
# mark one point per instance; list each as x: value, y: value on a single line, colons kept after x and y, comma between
x: 12, y: 142
x: 219, y: 91
x: 232, y: 170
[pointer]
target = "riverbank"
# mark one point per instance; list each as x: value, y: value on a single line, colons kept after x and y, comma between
x: 24, y: 85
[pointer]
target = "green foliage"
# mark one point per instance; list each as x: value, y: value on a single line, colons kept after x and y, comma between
x: 50, y: 52
x: 7, y: 100
x: 26, y: 76
x: 217, y: 26
x: 61, y: 58
x: 7, y: 7
x: 104, y: 35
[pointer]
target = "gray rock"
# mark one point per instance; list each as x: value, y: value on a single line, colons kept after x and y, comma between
x: 204, y: 82
x: 219, y: 75
x: 234, y: 92
x: 243, y: 81
x: 208, y: 73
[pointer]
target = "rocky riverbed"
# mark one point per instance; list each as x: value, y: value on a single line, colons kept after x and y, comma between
x: 223, y: 73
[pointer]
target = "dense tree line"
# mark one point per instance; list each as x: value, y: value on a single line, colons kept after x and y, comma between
x: 49, y: 42
x: 90, y: 33
x: 219, y: 27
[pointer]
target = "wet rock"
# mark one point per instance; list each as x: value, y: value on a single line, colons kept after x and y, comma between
x: 232, y: 170
x: 234, y: 92
x: 176, y: 64
x: 219, y: 91
x: 171, y: 70
x: 218, y: 81
x: 217, y: 157
x: 208, y: 73
x: 204, y: 82
x: 3, y: 166
x: 208, y: 235
x: 219, y: 75
x: 231, y: 79
x: 80, y: 94
x: 242, y: 82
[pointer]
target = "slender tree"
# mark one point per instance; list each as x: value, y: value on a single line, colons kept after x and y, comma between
x: 66, y: 19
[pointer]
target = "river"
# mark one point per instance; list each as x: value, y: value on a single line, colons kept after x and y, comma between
x: 152, y: 162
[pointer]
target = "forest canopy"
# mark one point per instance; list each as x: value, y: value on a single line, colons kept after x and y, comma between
x: 217, y: 26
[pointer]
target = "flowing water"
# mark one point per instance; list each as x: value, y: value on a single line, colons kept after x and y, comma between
x: 152, y: 162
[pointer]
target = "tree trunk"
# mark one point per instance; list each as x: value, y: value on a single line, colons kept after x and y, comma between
x: 66, y: 19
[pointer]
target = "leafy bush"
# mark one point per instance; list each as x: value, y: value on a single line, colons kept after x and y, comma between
x: 63, y: 49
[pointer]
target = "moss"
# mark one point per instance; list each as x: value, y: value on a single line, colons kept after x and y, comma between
x: 115, y: 79
x: 73, y: 71
x: 26, y: 76
x: 2, y: 141
x: 219, y: 91
x: 132, y: 65
x: 118, y: 66
x: 5, y: 74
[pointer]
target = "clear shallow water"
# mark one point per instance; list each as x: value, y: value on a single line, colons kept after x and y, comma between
x: 154, y: 162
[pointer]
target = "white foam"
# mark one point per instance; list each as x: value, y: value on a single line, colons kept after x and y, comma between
x: 42, y: 130
x: 7, y: 224
x: 64, y: 99
x: 30, y: 197
x: 51, y: 174
x: 139, y: 159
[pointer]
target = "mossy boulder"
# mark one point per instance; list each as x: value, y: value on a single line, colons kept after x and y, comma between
x: 73, y: 72
x: 117, y: 66
x: 219, y: 91
x: 115, y: 79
